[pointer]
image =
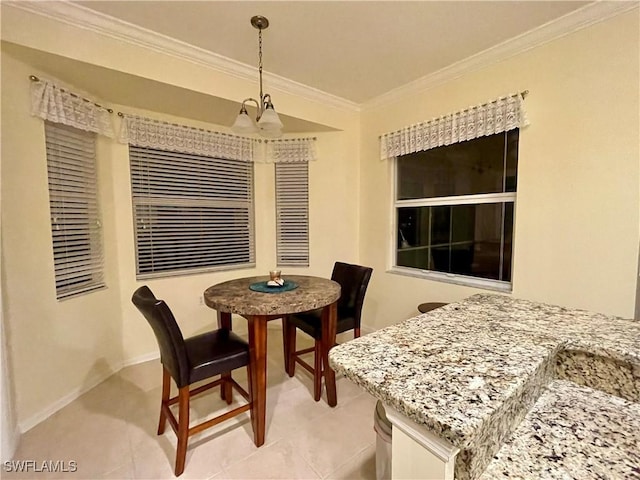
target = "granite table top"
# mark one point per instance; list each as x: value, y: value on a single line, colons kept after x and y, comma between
x: 235, y: 296
x: 471, y: 371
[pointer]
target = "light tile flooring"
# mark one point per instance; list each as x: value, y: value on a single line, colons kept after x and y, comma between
x: 111, y: 431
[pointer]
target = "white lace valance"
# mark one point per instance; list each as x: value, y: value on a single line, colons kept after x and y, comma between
x: 503, y: 114
x: 146, y: 132
x: 55, y: 104
x: 291, y: 150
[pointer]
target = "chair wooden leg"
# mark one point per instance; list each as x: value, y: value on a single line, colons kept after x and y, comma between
x: 226, y: 389
x: 183, y: 429
x: 250, y: 373
x: 317, y: 371
x: 285, y: 350
x: 224, y: 322
x: 356, y: 332
x: 166, y: 390
x: 289, y: 344
x: 329, y: 326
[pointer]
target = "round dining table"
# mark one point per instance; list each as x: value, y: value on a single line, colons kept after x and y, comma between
x: 258, y: 307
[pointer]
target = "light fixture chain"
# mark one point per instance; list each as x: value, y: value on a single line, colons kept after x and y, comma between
x: 268, y: 123
x: 260, y: 63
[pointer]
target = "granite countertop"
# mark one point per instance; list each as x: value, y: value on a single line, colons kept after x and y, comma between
x: 572, y: 431
x: 471, y: 371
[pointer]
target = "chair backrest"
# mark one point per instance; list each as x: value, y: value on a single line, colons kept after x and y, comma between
x: 354, y: 280
x: 173, y: 354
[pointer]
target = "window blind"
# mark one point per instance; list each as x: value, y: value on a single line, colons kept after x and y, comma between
x: 192, y: 213
x: 292, y: 213
x: 73, y: 203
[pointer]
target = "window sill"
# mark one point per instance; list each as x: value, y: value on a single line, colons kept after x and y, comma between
x: 193, y: 271
x: 82, y: 291
x: 482, y: 283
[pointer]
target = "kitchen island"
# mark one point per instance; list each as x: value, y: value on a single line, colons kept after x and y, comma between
x: 466, y: 378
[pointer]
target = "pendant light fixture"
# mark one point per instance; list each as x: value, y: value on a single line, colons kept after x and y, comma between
x: 268, y: 122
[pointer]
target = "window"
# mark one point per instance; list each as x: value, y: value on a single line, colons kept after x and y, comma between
x: 455, y: 210
x: 73, y: 203
x: 192, y: 212
x: 292, y: 213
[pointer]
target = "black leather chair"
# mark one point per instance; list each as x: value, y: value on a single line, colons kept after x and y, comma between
x: 190, y: 360
x: 354, y: 280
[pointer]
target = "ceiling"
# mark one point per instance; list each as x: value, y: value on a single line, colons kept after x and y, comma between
x: 355, y: 50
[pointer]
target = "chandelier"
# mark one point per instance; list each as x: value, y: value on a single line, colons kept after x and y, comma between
x: 267, y: 122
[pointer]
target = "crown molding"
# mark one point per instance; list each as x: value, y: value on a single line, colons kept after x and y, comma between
x: 87, y: 19
x: 588, y: 15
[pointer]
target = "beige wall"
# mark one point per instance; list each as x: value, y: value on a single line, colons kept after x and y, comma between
x: 9, y: 434
x: 577, y: 225
x: 56, y: 347
x: 59, y: 348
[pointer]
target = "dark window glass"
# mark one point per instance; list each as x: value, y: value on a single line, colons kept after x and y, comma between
x: 483, y: 165
x: 511, y: 161
x: 508, y: 240
x: 461, y: 239
x: 469, y: 235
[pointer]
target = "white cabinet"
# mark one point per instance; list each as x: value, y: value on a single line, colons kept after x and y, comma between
x: 418, y: 453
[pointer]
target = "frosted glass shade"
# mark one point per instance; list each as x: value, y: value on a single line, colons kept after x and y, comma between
x: 271, y: 133
x: 244, y: 124
x: 269, y: 121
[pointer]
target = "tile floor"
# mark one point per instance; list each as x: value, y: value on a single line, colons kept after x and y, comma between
x: 111, y: 431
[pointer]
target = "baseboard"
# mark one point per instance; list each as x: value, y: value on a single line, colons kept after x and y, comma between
x: 42, y: 415
x: 366, y: 330
x: 141, y: 359
x: 45, y: 413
